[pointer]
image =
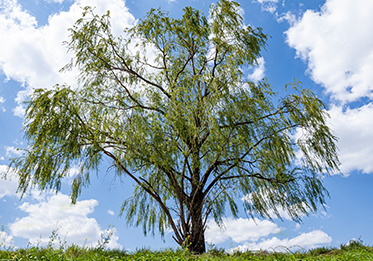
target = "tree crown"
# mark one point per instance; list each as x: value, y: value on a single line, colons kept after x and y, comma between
x: 169, y: 104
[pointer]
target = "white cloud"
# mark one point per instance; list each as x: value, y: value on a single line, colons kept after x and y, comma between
x: 297, y: 226
x: 240, y: 230
x: 54, y: 211
x: 268, y: 5
x: 258, y: 72
x: 2, y: 100
x: 305, y: 240
x: 111, y: 213
x: 73, y: 171
x: 267, y: 1
x: 283, y: 214
x: 33, y: 55
x: 354, y: 128
x: 12, y: 151
x: 72, y: 221
x: 5, y: 240
x: 8, y: 186
x: 288, y: 16
x: 281, y: 211
x: 337, y: 45
x: 55, y: 1
x: 22, y: 95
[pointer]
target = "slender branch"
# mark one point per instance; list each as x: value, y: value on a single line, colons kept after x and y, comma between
x: 261, y: 118
x: 209, y: 206
x: 183, y: 68
x: 170, y: 174
x: 258, y: 176
x: 112, y: 68
x: 141, y: 184
x: 214, y: 164
x: 135, y: 100
x: 130, y: 71
x: 218, y: 177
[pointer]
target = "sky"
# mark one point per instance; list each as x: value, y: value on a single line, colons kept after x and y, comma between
x: 325, y: 44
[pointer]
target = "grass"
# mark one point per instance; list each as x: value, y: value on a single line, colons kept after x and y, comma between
x: 356, y: 250
x: 57, y: 249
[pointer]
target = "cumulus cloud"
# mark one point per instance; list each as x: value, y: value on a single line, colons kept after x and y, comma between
x: 297, y: 226
x: 337, y: 45
x: 354, y: 129
x: 55, y: 211
x: 312, y: 239
x: 281, y: 211
x: 250, y: 231
x: 8, y: 186
x: 288, y: 16
x: 33, y: 55
x: 268, y: 5
x: 12, y: 151
x: 258, y: 71
x: 240, y: 230
x: 5, y: 240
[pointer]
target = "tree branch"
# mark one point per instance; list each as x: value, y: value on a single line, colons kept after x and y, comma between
x: 156, y: 197
x: 130, y: 71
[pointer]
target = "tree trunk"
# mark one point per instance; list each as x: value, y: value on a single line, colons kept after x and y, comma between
x: 196, y: 241
x: 197, y: 238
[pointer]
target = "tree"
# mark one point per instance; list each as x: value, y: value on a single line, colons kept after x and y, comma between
x: 169, y: 104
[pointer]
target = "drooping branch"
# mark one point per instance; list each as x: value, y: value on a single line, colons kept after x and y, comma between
x: 151, y: 193
x: 236, y: 162
x: 135, y: 100
x: 258, y: 176
x: 278, y: 111
x: 135, y: 74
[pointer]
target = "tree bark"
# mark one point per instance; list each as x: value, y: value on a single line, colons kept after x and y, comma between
x: 197, y: 238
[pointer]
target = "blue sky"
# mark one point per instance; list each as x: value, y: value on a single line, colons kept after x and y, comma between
x: 328, y: 45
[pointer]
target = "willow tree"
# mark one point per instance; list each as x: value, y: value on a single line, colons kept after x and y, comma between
x: 169, y: 104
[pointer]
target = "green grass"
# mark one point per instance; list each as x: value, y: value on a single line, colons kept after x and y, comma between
x: 57, y: 249
x: 356, y: 250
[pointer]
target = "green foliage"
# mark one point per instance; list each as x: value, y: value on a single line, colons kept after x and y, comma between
x: 169, y: 104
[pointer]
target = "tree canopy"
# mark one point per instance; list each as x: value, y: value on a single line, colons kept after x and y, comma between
x: 168, y: 102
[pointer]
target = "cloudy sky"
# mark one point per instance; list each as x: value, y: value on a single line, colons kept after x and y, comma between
x: 326, y: 44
